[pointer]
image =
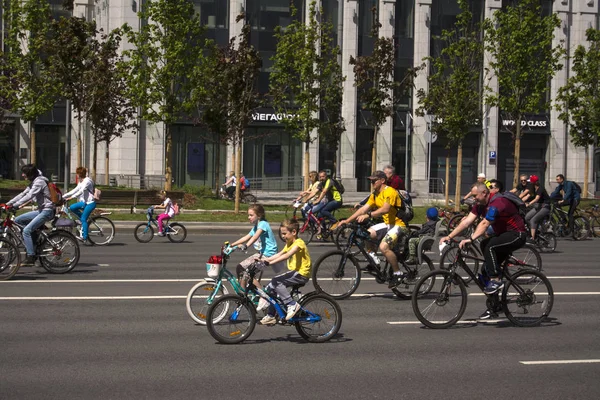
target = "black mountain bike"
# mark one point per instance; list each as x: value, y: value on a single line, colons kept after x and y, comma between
x: 338, y: 272
x: 440, y: 297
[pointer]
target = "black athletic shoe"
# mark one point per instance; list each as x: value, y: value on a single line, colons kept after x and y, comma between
x: 487, y: 315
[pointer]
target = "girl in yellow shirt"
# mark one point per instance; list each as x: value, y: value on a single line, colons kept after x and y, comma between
x: 299, y: 264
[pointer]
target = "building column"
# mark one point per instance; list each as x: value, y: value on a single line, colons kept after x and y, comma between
x: 386, y: 131
x: 419, y: 146
x: 491, y: 115
x: 349, y: 96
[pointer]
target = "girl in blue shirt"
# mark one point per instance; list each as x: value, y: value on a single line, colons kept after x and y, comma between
x: 261, y: 236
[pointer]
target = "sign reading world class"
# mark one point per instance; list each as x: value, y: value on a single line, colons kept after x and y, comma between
x: 529, y: 122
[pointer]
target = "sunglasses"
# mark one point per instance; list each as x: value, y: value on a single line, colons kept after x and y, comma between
x: 373, y: 180
x: 493, y: 187
x: 523, y: 180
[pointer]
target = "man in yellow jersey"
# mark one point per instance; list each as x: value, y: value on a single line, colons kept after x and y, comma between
x: 384, y: 202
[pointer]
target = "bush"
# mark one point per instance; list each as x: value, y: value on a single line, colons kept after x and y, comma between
x: 198, y: 191
x: 189, y: 200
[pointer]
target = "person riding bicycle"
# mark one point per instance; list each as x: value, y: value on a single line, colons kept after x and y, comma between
x: 298, y: 273
x: 540, y: 205
x: 229, y: 185
x: 307, y: 196
x: 86, y: 204
x: 383, y: 202
x: 330, y: 192
x: 38, y: 192
x: 524, y: 189
x: 167, y: 205
x: 261, y: 236
x: 509, y: 229
x: 480, y: 179
x: 571, y: 196
x: 393, y: 180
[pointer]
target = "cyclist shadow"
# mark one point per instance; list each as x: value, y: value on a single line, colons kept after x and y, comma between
x: 546, y: 323
x: 291, y: 338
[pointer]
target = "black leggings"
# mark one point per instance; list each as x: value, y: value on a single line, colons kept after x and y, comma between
x: 497, y: 249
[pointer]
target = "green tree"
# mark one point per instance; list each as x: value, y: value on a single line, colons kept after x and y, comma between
x: 455, y: 94
x: 579, y: 100
x: 108, y: 108
x: 519, y: 41
x: 71, y: 48
x: 306, y: 81
x: 374, y: 79
x: 166, y: 50
x: 229, y: 93
x: 34, y: 88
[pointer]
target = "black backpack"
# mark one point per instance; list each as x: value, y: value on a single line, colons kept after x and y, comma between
x: 577, y: 187
x: 516, y: 200
x: 338, y: 185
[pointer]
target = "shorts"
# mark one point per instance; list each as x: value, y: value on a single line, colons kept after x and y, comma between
x: 389, y: 235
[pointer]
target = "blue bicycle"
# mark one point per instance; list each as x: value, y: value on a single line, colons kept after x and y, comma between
x: 144, y: 232
x: 232, y: 318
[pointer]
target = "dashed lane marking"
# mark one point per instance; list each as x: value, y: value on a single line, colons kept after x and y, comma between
x: 550, y: 362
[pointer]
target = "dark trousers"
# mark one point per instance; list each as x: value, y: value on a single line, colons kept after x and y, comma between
x: 572, y: 207
x: 497, y: 249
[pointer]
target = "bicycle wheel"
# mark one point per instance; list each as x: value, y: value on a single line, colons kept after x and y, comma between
x: 200, y: 297
x: 454, y: 222
x: 581, y: 228
x: 528, y: 300
x: 59, y: 252
x: 10, y: 259
x: 248, y: 198
x: 341, y: 237
x: 307, y: 231
x: 527, y: 257
x: 444, y: 304
x: 231, y: 319
x: 405, y: 288
x: 101, y: 231
x: 334, y: 277
x: 319, y: 319
x: 143, y: 233
x: 546, y: 242
x: 449, y: 255
x: 595, y: 226
x: 176, y: 232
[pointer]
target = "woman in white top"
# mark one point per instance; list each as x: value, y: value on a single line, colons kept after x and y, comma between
x: 167, y: 205
x: 229, y: 185
x: 84, y: 191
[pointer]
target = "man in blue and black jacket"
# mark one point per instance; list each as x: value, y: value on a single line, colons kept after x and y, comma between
x: 571, y: 196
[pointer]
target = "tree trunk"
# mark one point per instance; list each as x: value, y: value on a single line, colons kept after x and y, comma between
x: 106, y: 165
x: 32, y: 143
x: 95, y: 161
x: 306, y: 165
x: 217, y: 166
x: 447, y: 185
x: 168, y: 158
x: 457, y: 195
x: 238, y: 170
x: 517, y: 153
x: 586, y: 172
x: 233, y: 159
x: 374, y: 151
x: 79, y: 156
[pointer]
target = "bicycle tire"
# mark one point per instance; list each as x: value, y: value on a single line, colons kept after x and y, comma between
x: 341, y: 237
x: 521, y: 299
x: 581, y: 228
x: 143, y: 233
x: 428, y: 307
x: 330, y: 315
x: 200, y: 297
x: 546, y: 241
x: 325, y: 275
x: 527, y: 257
x: 307, y: 232
x: 10, y: 259
x: 449, y: 255
x: 101, y: 231
x: 177, y: 232
x: 454, y: 222
x: 59, y: 252
x: 405, y: 289
x: 238, y: 321
x: 248, y: 199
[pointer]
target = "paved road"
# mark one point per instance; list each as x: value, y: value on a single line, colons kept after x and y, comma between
x: 116, y: 327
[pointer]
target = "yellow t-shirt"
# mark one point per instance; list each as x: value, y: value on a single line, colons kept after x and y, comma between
x: 335, y: 195
x: 388, y: 195
x: 300, y: 261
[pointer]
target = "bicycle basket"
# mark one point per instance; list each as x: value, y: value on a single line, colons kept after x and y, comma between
x: 213, y: 266
x: 64, y: 223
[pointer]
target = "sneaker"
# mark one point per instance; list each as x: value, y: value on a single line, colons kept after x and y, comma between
x: 487, y: 314
x: 411, y: 261
x: 28, y: 262
x: 396, y: 280
x: 262, y: 304
x: 80, y: 238
x: 268, y: 320
x: 493, y: 286
x: 160, y: 234
x: 531, y: 240
x: 292, y: 310
x: 335, y: 225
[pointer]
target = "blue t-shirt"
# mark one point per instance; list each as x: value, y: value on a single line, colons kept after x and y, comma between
x: 267, y: 244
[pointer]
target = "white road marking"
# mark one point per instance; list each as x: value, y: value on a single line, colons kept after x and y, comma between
x: 549, y: 362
